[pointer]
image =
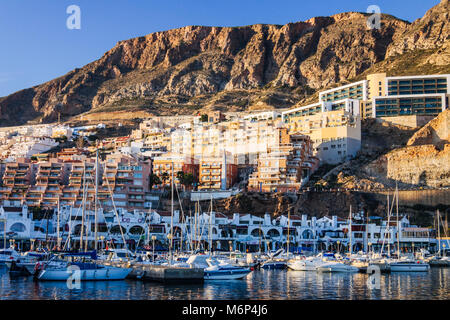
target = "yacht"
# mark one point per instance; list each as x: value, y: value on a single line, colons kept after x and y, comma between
x: 275, y: 261
x: 337, y: 267
x: 27, y: 261
x: 56, y: 268
x: 274, y: 264
x: 8, y: 255
x: 301, y: 263
x: 216, y: 270
x: 408, y: 265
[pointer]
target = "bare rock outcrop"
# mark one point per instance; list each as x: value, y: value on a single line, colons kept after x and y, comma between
x: 435, y: 132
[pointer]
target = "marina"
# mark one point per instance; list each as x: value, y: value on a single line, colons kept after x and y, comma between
x: 261, y: 284
x: 262, y: 151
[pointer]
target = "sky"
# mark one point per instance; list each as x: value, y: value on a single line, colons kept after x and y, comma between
x: 36, y: 45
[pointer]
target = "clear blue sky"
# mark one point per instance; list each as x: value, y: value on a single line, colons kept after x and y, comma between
x: 36, y: 46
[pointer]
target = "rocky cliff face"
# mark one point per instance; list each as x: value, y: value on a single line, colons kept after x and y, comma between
x: 436, y: 132
x: 429, y: 32
x: 251, y: 67
x: 425, y: 160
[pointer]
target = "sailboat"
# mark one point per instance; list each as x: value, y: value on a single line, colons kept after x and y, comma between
x: 404, y: 264
x: 57, y: 268
x: 339, y: 266
x: 438, y: 259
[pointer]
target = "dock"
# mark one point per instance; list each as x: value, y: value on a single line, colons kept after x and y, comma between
x: 160, y: 273
x: 171, y: 274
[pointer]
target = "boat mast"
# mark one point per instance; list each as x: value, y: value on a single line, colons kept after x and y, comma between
x: 83, y: 208
x: 194, y: 230
x: 58, y: 239
x: 350, y: 232
x: 439, y: 233
x: 388, y: 229
x: 210, y: 228
x: 149, y: 224
x: 88, y: 229
x: 4, y: 232
x: 289, y: 222
x: 96, y: 199
x: 171, y: 219
x: 398, y: 225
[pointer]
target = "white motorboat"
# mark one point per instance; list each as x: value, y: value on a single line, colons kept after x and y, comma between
x: 305, y: 264
x: 118, y: 254
x: 59, y: 270
x: 408, y: 266
x: 27, y: 261
x: 337, y: 267
x: 8, y: 255
x: 216, y: 270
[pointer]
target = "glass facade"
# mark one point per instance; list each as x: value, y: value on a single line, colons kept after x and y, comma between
x: 338, y: 106
x: 391, y: 107
x: 352, y: 92
x: 417, y: 86
x: 303, y: 112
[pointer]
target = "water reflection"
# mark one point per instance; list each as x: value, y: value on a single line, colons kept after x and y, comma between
x: 263, y: 284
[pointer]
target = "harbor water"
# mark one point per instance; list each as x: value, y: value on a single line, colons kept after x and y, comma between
x: 258, y: 285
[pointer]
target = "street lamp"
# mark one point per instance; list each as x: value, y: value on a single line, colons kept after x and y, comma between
x: 338, y: 243
x: 102, y: 238
x: 268, y: 244
x: 153, y: 246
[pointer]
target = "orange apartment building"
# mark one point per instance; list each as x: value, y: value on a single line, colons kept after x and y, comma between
x: 81, y: 178
x: 286, y: 166
x: 50, y: 177
x: 162, y: 167
x: 126, y: 181
x: 17, y: 178
x: 44, y: 184
x: 211, y: 174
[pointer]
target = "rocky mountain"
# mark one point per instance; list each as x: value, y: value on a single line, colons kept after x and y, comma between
x: 251, y: 67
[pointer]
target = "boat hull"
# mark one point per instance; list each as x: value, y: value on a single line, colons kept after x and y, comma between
x: 101, y: 274
x: 272, y: 266
x: 226, y: 275
x: 413, y: 267
x: 302, y: 266
x: 337, y: 268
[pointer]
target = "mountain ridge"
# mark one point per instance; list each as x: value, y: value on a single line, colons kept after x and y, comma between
x: 260, y: 66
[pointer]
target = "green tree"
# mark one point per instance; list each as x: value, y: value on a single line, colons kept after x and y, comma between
x: 154, y: 180
x: 188, y: 179
x: 164, y: 177
x: 204, y: 118
x: 180, y: 176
